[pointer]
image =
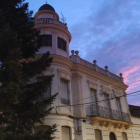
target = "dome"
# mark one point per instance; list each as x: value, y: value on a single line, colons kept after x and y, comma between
x: 46, y: 7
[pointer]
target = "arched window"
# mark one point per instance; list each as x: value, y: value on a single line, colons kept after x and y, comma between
x: 98, y: 134
x: 124, y: 136
x: 41, y: 128
x: 112, y: 136
x: 65, y: 133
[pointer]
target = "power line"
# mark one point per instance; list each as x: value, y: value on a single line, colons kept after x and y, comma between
x: 99, y: 93
x: 101, y: 100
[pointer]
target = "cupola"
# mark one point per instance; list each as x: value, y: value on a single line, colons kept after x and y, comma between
x: 46, y: 7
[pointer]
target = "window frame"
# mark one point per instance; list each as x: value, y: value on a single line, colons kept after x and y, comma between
x: 47, y: 44
x: 63, y: 42
x: 118, y: 103
x: 125, y: 135
x: 49, y: 86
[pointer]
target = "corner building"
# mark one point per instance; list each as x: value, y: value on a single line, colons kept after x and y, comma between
x: 91, y: 102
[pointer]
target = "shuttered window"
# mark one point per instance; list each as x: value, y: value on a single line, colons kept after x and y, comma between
x: 64, y: 89
x: 124, y: 136
x: 98, y: 135
x: 65, y: 133
x: 93, y: 96
x: 118, y: 104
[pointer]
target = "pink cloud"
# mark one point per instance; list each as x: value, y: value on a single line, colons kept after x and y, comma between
x: 128, y: 72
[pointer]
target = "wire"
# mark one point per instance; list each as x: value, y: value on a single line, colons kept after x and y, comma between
x: 99, y: 93
x: 100, y: 100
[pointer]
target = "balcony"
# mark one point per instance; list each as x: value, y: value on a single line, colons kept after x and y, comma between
x: 50, y: 21
x: 94, y: 110
x: 64, y: 101
x: 105, y: 116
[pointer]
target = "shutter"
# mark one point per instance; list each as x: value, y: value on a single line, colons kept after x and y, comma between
x: 118, y: 104
x: 64, y: 89
x: 93, y: 95
x: 65, y: 135
x: 98, y: 135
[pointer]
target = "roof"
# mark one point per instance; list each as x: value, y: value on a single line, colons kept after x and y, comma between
x: 46, y: 7
x: 135, y: 111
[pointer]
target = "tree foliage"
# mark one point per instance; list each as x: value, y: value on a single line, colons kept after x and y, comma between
x: 21, y: 104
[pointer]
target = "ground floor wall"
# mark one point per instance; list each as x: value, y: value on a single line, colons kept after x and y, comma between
x: 87, y: 130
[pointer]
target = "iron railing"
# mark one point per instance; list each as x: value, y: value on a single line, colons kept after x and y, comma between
x: 50, y: 21
x: 94, y: 111
x: 64, y: 101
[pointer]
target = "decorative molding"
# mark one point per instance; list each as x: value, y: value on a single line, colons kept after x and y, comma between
x: 92, y: 84
x: 65, y: 72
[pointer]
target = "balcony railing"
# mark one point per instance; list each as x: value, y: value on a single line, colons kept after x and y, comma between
x: 64, y: 101
x: 50, y: 21
x: 98, y: 111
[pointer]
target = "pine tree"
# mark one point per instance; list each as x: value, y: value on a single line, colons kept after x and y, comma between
x: 21, y: 104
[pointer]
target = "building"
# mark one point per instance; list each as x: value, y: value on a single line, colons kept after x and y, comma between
x: 91, y: 102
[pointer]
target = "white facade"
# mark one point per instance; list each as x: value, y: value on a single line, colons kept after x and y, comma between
x: 89, y: 98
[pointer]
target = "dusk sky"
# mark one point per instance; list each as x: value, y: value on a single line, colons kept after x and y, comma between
x: 107, y: 31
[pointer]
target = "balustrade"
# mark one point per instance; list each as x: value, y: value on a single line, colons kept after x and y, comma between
x: 50, y: 21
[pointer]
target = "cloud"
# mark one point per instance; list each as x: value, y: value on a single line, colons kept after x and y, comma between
x: 111, y: 35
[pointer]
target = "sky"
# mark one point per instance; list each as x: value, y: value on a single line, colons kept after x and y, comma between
x: 107, y: 31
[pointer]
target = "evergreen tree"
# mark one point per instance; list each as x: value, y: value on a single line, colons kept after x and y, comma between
x: 21, y: 104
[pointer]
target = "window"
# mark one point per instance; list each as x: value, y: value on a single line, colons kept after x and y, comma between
x: 124, y: 136
x: 41, y: 128
x: 47, y: 94
x: 118, y: 104
x: 65, y: 133
x: 98, y: 135
x: 62, y: 44
x: 107, y: 103
x: 112, y: 136
x: 45, y: 40
x: 64, y: 91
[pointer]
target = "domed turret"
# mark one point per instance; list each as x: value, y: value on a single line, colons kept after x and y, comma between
x: 54, y: 35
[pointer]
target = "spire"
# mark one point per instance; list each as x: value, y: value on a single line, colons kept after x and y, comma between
x: 46, y: 2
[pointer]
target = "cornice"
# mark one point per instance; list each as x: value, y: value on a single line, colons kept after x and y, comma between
x: 65, y: 72
x: 62, y: 61
x: 98, y: 76
x: 54, y: 26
